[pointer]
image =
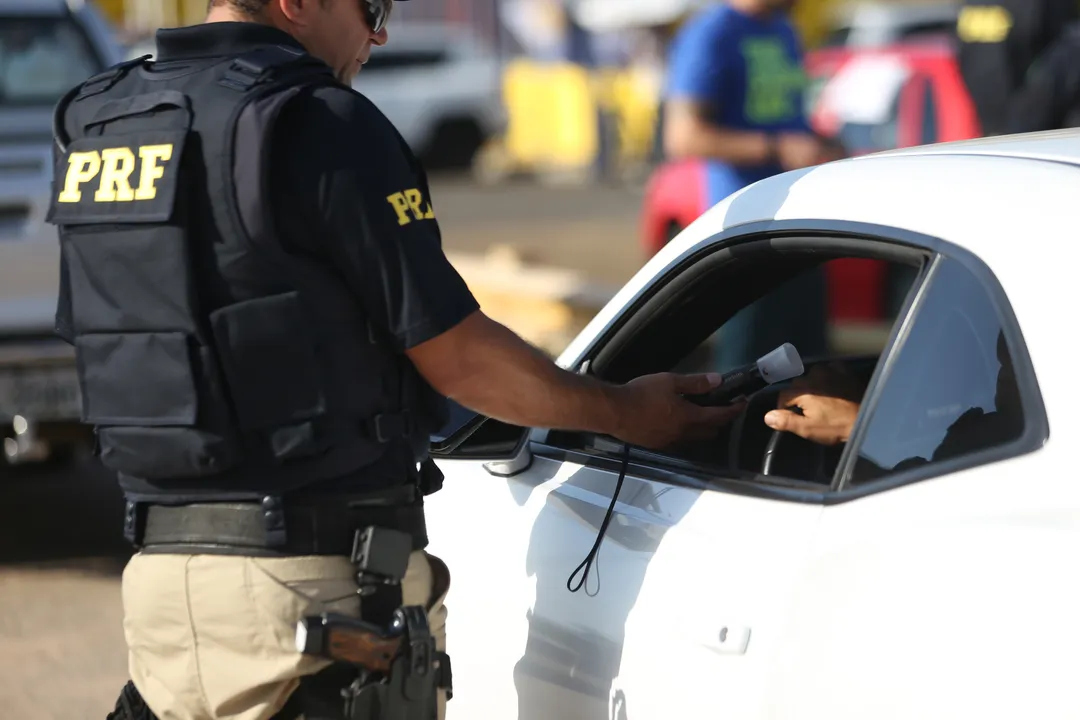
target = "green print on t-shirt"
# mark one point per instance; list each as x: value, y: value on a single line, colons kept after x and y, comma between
x: 772, y: 81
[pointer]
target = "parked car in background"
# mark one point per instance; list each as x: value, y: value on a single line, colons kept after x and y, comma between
x: 441, y: 87
x: 890, y: 97
x: 860, y: 25
x: 46, y: 47
x: 923, y: 569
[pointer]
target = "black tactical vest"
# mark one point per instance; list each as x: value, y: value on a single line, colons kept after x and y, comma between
x: 212, y: 364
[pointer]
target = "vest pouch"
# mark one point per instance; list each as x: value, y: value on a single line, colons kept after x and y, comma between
x: 164, y: 453
x: 269, y: 360
x: 139, y: 389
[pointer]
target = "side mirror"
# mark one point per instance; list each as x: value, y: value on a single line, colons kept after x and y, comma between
x: 462, y: 424
x: 469, y: 435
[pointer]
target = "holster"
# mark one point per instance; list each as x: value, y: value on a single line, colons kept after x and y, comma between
x: 406, y: 682
x: 131, y: 706
x: 409, y: 691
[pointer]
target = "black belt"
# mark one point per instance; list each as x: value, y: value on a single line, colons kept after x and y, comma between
x: 325, y: 527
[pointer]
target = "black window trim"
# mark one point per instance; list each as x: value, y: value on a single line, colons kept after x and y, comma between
x: 1036, y: 422
x: 838, y: 235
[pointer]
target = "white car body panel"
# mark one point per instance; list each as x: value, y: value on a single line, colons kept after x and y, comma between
x: 958, y: 586
x: 951, y: 597
x: 746, y: 593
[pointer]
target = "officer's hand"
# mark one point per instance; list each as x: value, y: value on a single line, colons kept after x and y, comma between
x: 798, y: 150
x: 656, y: 416
x: 829, y: 399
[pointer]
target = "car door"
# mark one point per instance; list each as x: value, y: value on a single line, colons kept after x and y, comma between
x: 685, y: 603
x: 686, y: 581
x: 937, y: 587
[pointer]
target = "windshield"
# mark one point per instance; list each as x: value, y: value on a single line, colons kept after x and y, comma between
x: 41, y: 59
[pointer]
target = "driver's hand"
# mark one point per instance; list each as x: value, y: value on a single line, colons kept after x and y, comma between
x: 829, y: 399
x: 656, y: 416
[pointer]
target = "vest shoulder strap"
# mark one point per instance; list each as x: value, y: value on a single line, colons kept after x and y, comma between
x: 268, y: 64
x: 91, y: 86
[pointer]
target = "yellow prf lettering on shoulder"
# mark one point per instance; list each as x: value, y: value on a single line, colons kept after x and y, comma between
x: 113, y: 168
x: 409, y: 205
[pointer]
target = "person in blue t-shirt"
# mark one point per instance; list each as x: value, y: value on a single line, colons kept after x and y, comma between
x: 734, y: 99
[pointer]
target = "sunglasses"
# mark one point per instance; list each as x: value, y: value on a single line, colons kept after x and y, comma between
x: 377, y: 13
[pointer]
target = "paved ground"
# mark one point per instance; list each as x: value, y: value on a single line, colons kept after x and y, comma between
x: 593, y: 229
x: 61, y: 641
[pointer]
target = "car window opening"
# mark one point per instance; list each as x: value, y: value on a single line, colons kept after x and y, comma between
x: 739, y: 312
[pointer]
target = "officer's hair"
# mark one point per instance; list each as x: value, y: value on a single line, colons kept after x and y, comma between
x: 251, y: 8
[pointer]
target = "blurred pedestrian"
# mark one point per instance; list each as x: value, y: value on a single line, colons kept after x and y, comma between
x: 999, y: 40
x: 1050, y: 96
x: 734, y: 99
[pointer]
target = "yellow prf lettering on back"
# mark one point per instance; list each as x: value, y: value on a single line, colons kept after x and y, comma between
x: 151, y: 172
x: 115, y: 166
x: 82, y: 168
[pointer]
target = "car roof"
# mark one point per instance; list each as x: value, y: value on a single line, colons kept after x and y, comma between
x: 894, y: 13
x: 930, y: 47
x: 939, y: 190
x: 1061, y: 146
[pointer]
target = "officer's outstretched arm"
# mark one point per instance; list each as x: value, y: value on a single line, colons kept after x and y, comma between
x: 485, y: 366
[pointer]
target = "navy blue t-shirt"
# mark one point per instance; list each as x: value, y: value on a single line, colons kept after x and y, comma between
x: 748, y: 71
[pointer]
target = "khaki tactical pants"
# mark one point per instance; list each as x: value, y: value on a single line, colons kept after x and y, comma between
x: 213, y: 637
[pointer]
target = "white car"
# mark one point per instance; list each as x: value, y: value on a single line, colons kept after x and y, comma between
x: 926, y: 569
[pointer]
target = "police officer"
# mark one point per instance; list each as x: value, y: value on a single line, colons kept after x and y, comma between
x: 998, y: 42
x: 267, y: 331
x: 1050, y: 96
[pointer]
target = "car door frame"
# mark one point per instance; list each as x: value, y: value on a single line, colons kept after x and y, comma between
x: 827, y: 234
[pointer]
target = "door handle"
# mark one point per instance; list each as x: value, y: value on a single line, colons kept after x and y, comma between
x: 729, y: 640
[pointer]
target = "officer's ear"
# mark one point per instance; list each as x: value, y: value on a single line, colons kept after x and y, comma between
x: 298, y: 12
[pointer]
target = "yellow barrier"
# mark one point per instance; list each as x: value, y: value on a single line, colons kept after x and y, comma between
x: 552, y: 115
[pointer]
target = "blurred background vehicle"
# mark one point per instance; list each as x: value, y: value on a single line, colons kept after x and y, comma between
x: 870, y: 25
x: 46, y: 47
x: 441, y: 86
x: 891, y: 97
